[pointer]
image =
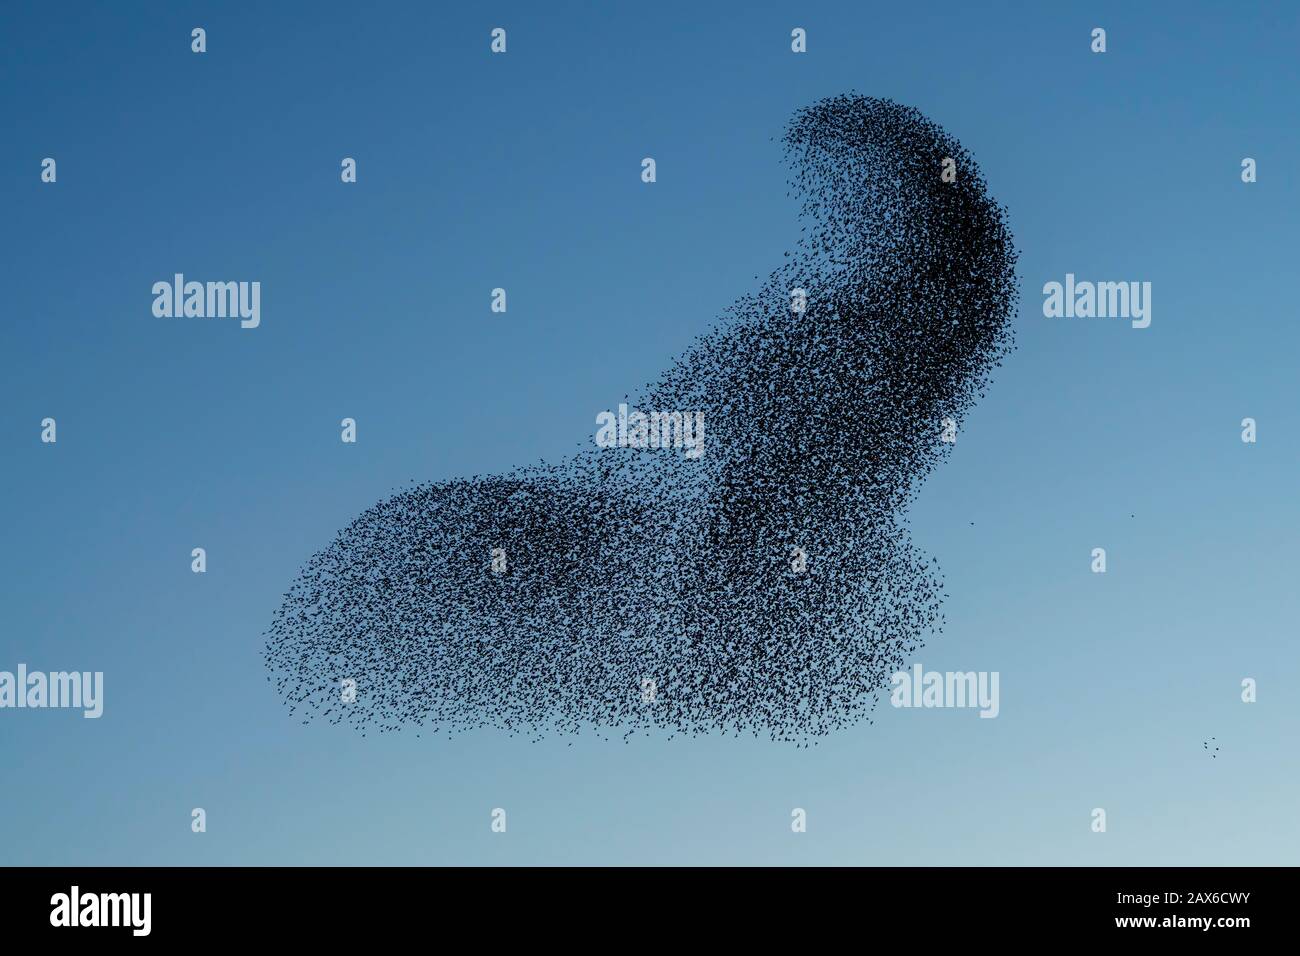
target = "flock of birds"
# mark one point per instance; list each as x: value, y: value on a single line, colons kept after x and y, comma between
x: 768, y: 586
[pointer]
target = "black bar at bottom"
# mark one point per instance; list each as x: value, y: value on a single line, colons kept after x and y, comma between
x: 366, y: 907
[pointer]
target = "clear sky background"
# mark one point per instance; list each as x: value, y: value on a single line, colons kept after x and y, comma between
x: 523, y: 171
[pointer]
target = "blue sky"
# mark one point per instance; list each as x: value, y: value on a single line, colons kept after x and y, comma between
x: 523, y: 171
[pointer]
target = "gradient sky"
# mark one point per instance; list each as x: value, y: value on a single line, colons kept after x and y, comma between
x: 523, y: 171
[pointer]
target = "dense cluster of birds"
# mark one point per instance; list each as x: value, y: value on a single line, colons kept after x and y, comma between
x: 768, y: 586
